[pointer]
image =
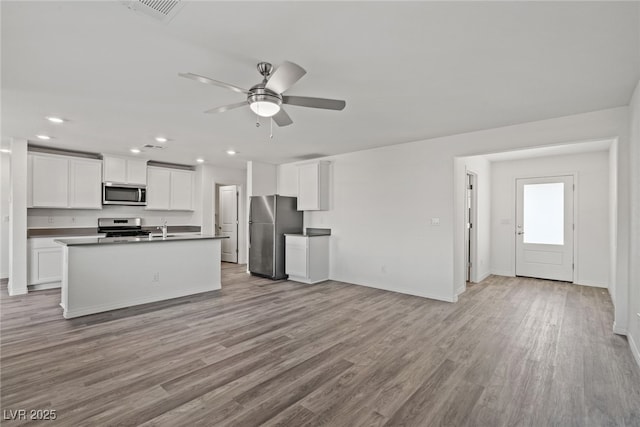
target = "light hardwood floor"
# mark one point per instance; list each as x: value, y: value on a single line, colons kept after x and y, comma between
x: 510, y: 352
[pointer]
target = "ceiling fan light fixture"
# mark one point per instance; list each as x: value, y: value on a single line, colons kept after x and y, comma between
x: 264, y: 104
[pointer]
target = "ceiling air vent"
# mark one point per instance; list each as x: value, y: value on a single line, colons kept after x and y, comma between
x: 154, y: 147
x: 162, y: 10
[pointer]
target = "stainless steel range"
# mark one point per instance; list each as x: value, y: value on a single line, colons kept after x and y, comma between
x: 121, y: 227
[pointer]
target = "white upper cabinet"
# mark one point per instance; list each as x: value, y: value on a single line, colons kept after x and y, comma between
x: 49, y: 181
x: 64, y: 182
x: 313, y: 186
x: 169, y: 189
x: 181, y: 190
x: 85, y: 184
x: 114, y: 169
x: 158, y: 188
x: 136, y: 171
x: 123, y: 170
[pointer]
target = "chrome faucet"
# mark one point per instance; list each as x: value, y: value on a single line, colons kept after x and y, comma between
x: 164, y: 230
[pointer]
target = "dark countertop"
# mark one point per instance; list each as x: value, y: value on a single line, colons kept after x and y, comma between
x: 93, y: 231
x: 62, y: 232
x: 312, y: 232
x: 126, y: 240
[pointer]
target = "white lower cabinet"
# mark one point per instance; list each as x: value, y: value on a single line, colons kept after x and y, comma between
x: 45, y: 263
x: 307, y: 258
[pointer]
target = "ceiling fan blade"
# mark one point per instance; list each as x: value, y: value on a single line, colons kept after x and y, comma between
x: 207, y: 80
x: 306, y: 101
x: 282, y: 118
x: 285, y: 76
x: 227, y: 107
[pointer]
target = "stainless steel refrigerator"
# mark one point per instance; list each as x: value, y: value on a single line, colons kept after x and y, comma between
x: 270, y: 217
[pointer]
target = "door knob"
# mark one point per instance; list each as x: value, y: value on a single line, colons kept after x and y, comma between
x: 520, y: 232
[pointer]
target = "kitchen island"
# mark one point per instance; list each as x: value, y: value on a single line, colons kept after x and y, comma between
x: 102, y: 274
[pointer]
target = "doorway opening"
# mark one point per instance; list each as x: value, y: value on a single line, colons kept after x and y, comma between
x: 227, y: 220
x: 470, y: 229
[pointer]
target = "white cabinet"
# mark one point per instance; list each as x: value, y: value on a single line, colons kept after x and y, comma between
x: 158, y: 188
x: 64, y: 182
x: 169, y: 189
x: 124, y: 170
x: 181, y: 190
x: 307, y: 258
x: 49, y: 181
x: 44, y: 262
x: 84, y: 184
x: 313, y: 186
x: 136, y: 171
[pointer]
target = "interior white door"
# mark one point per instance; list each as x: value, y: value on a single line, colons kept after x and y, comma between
x: 544, y: 232
x: 228, y: 204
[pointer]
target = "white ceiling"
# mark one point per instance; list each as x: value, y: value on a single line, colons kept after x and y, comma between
x: 408, y: 71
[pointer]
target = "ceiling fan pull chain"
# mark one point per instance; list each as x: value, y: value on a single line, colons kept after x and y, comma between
x: 271, y: 133
x: 257, y: 121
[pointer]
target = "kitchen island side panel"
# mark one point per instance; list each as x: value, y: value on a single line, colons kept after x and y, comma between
x: 106, y: 277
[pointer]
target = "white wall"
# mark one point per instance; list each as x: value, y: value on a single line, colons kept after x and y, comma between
x: 592, y: 209
x: 5, y: 188
x: 634, y: 265
x: 383, y: 199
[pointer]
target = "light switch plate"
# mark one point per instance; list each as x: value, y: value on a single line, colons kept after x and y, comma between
x: 435, y: 221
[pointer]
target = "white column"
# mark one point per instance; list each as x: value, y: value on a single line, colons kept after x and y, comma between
x: 18, y: 218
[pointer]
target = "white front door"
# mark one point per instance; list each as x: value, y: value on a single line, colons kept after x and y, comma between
x: 544, y: 228
x: 228, y: 210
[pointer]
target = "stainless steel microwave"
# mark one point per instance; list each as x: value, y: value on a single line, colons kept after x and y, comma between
x: 123, y: 194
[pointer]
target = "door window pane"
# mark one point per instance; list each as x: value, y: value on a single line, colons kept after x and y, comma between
x: 544, y: 213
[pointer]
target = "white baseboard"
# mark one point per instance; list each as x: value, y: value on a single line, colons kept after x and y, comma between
x: 12, y: 291
x: 305, y: 280
x: 591, y: 284
x: 461, y: 290
x: 43, y: 286
x: 503, y: 273
x: 634, y: 349
x: 619, y: 330
x: 453, y: 298
x: 483, y: 276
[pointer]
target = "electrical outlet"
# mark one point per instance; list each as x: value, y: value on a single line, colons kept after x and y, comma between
x: 435, y: 221
x: 50, y: 220
x: 156, y: 277
x: 73, y: 219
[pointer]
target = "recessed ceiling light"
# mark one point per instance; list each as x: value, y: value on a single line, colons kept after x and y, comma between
x: 135, y: 150
x: 200, y: 160
x: 45, y: 137
x: 231, y: 152
x: 4, y: 150
x: 55, y: 119
x: 161, y: 139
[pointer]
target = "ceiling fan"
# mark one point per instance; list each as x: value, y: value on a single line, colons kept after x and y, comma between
x: 266, y: 98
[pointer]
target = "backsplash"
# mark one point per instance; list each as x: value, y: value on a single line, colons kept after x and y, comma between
x: 54, y: 218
